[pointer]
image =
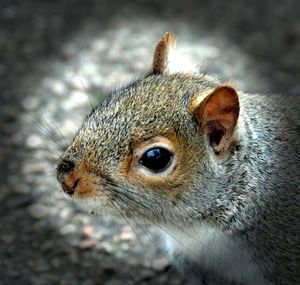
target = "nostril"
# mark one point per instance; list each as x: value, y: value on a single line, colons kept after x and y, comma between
x: 65, y: 166
x: 66, y: 176
x: 70, y: 190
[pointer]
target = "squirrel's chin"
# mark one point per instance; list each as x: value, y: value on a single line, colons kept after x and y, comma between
x: 98, y: 207
x: 86, y: 204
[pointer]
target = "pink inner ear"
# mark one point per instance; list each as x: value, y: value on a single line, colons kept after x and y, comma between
x: 220, y: 112
x: 222, y: 106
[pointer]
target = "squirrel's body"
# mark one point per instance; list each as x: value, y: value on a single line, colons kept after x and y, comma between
x: 217, y: 171
x: 266, y: 206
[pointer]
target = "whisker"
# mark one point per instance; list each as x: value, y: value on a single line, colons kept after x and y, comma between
x: 129, y: 198
x: 150, y: 210
x: 45, y: 174
x: 59, y: 137
x: 172, y: 236
x: 123, y: 216
x: 148, y: 234
x: 135, y: 209
x: 49, y: 134
x: 64, y: 140
x: 91, y: 100
x: 59, y: 194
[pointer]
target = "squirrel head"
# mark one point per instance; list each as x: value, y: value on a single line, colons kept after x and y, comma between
x: 147, y: 151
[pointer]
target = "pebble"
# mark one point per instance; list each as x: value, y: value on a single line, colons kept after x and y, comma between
x: 73, y: 256
x: 7, y: 238
x: 77, y: 100
x: 89, y: 69
x: 66, y: 212
x: 114, y: 282
x: 57, y: 86
x: 56, y: 262
x: 68, y: 127
x: 30, y: 103
x: 88, y: 243
x: 78, y: 82
x: 34, y: 141
x: 161, y: 264
x: 98, y: 45
x: 17, y: 139
x: 126, y: 235
x: 146, y: 274
x: 41, y: 265
x: 88, y: 231
x: 88, y: 282
x: 107, y: 246
x: 125, y: 246
x: 67, y: 229
x: 30, y: 168
x: 22, y: 189
x: 19, y: 201
x: 38, y: 211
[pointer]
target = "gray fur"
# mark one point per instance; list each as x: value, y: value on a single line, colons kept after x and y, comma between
x: 252, y: 192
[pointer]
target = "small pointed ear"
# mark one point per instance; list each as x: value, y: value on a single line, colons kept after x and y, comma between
x: 216, y: 113
x: 162, y: 54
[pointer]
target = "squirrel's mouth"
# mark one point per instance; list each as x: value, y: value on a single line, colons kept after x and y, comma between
x: 99, y: 194
x: 70, y: 190
x: 78, y: 182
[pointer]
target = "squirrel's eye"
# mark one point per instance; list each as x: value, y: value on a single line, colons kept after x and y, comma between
x: 156, y: 159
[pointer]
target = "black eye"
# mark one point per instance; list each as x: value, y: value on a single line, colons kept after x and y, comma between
x: 156, y: 159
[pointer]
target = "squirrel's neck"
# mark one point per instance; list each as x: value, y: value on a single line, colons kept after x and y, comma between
x: 238, y: 180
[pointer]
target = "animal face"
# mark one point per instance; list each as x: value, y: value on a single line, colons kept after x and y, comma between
x: 146, y: 151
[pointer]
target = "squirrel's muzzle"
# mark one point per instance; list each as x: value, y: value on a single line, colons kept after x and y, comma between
x: 64, y: 176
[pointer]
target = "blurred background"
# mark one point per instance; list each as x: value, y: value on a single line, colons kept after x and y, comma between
x: 58, y: 57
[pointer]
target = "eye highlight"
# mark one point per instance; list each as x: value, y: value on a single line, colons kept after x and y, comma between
x: 156, y: 159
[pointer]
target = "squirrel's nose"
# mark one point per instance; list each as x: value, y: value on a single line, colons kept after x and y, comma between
x: 64, y: 176
x: 65, y: 166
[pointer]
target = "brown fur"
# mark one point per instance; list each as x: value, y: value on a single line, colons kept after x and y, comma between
x: 246, y: 187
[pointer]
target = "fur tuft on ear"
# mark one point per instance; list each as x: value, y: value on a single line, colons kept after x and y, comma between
x: 167, y: 60
x: 216, y: 113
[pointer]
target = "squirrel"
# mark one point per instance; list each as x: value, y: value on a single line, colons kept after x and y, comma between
x: 215, y: 169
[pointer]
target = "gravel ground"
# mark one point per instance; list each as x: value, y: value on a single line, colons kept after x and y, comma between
x: 59, y: 57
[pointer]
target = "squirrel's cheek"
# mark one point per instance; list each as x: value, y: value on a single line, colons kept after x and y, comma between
x: 168, y: 185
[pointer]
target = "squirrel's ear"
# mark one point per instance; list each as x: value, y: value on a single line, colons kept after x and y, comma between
x: 216, y: 113
x: 162, y: 53
x: 167, y: 60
